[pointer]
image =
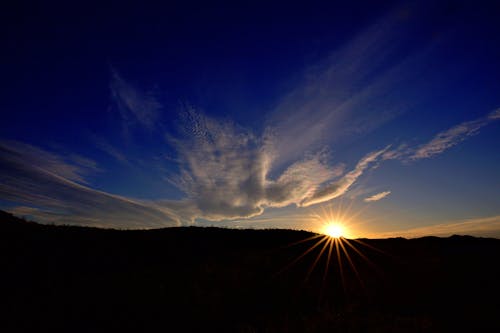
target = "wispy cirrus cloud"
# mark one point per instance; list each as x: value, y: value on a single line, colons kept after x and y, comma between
x: 341, y: 186
x: 349, y: 93
x: 135, y: 106
x: 377, y: 196
x: 55, y: 191
x: 74, y: 168
x: 451, y: 137
x: 443, y: 140
x: 109, y: 149
x: 225, y: 170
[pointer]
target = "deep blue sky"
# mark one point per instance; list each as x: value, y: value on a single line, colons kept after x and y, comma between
x: 257, y: 114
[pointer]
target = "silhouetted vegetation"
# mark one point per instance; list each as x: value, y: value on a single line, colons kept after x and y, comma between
x: 78, y: 279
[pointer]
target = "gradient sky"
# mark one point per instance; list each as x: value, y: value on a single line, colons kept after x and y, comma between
x: 386, y: 114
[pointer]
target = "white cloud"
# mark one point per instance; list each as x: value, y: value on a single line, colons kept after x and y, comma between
x: 377, y: 197
x: 225, y: 171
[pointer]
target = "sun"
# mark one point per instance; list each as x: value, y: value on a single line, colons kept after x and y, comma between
x: 333, y: 240
x: 334, y: 230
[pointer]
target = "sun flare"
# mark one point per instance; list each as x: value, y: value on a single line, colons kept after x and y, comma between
x: 334, y: 230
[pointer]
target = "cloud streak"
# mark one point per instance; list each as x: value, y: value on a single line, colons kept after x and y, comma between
x: 442, y: 141
x: 135, y: 107
x: 55, y: 192
x: 109, y: 149
x: 339, y: 187
x: 451, y: 137
x: 348, y: 94
x: 377, y: 197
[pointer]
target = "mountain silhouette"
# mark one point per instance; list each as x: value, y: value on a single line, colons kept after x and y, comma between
x: 191, y: 279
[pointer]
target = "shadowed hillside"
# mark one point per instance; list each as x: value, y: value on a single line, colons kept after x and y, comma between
x: 208, y: 279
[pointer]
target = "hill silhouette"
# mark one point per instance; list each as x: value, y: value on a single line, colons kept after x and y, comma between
x: 188, y: 279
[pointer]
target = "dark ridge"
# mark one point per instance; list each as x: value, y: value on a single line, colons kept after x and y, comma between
x: 188, y: 279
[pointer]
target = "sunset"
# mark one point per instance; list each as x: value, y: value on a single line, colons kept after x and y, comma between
x: 334, y: 230
x: 250, y: 167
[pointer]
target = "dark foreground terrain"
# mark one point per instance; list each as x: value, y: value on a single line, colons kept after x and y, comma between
x: 207, y: 279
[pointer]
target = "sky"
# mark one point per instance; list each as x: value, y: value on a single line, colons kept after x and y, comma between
x: 383, y: 116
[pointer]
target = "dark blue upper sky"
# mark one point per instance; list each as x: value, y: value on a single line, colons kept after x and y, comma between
x: 141, y: 115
